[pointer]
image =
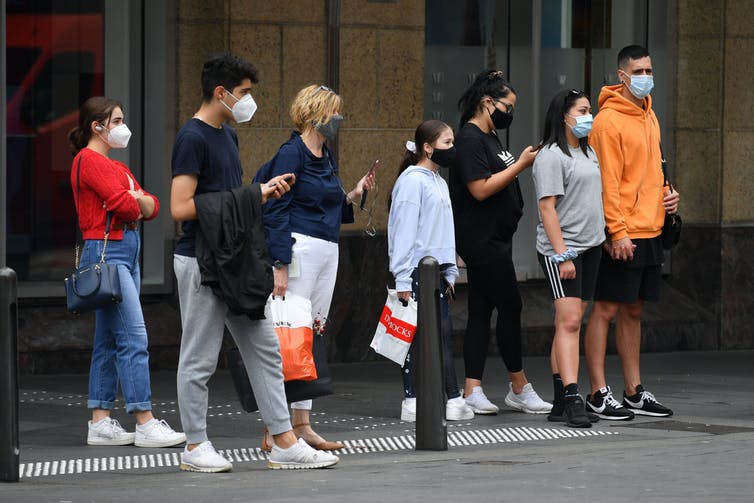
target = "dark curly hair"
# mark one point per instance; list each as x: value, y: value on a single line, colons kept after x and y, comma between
x: 227, y: 70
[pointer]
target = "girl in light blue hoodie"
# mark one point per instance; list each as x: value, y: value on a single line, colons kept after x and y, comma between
x: 421, y: 224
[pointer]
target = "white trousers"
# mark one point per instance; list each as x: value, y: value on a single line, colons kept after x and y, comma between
x: 312, y: 275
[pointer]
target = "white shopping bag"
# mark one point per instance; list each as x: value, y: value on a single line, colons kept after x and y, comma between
x: 292, y: 320
x: 396, y: 329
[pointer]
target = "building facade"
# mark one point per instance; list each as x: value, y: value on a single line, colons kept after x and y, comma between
x: 395, y: 63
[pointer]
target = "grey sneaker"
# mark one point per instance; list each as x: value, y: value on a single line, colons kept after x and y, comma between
x: 527, y: 401
x: 157, y: 434
x: 479, y: 402
x: 204, y: 458
x: 300, y: 456
x: 108, y: 431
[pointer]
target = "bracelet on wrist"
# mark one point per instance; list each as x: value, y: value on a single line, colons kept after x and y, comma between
x: 567, y: 255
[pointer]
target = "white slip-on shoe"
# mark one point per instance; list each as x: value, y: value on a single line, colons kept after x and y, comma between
x: 204, y: 458
x: 527, y: 401
x: 108, y: 431
x: 479, y: 402
x: 300, y: 456
x: 157, y: 433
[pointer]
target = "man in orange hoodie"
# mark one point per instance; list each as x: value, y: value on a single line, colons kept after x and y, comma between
x: 626, y: 138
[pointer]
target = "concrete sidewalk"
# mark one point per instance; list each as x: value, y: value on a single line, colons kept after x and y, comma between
x: 703, y: 453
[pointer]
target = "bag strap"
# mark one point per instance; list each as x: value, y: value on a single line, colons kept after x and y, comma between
x: 663, y: 163
x: 108, y: 221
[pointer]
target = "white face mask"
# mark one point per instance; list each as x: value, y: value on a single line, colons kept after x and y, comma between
x: 243, y: 110
x: 118, y: 136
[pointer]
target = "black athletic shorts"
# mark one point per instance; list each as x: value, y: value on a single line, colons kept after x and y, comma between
x: 582, y: 286
x: 629, y: 282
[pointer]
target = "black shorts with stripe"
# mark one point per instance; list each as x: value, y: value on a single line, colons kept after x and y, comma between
x: 582, y: 286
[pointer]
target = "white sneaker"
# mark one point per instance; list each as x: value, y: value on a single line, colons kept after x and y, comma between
x: 527, y: 401
x: 204, y: 458
x: 479, y: 402
x: 408, y: 410
x: 300, y: 456
x: 157, y: 434
x: 457, y: 410
x: 108, y: 431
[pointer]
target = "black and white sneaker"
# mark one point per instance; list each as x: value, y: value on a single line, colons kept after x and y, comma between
x: 645, y: 404
x: 605, y: 406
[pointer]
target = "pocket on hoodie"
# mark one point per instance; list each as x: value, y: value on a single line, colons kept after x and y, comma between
x: 646, y: 206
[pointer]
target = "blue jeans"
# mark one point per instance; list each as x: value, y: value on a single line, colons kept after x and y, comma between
x: 446, y: 328
x: 119, y: 352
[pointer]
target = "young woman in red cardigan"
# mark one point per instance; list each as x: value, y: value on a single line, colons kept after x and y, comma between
x: 119, y: 353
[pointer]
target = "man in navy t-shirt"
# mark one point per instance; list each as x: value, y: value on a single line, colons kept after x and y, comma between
x: 206, y: 159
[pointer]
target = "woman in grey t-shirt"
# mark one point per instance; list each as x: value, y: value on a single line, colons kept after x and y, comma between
x: 569, y: 234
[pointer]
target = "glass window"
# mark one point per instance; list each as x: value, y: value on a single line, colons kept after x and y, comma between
x: 541, y: 47
x: 55, y: 53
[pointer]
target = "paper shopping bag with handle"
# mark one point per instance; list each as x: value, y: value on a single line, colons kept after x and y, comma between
x: 291, y: 318
x: 396, y: 328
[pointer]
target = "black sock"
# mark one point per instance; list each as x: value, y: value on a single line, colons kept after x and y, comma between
x: 571, y: 390
x: 557, y: 386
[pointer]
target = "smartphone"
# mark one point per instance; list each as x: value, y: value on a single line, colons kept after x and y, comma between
x: 364, y: 194
x: 541, y: 144
x: 286, y: 179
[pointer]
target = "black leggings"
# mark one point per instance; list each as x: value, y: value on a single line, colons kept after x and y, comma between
x: 493, y: 286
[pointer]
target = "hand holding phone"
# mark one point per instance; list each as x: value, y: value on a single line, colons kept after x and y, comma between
x: 287, y: 179
x: 364, y: 192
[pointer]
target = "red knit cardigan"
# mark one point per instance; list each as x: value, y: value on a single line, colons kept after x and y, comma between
x: 104, y: 187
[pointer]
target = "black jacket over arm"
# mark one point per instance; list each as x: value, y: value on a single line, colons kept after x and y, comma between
x: 231, y: 248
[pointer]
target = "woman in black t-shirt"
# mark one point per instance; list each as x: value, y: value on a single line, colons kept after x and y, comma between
x: 487, y: 205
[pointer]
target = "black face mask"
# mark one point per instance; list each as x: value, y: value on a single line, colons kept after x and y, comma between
x: 444, y: 157
x: 501, y: 120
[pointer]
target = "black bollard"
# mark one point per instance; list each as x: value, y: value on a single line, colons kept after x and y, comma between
x: 431, y: 429
x: 8, y: 376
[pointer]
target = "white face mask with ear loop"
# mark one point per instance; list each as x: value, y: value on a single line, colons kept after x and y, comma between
x: 243, y: 109
x: 117, y: 137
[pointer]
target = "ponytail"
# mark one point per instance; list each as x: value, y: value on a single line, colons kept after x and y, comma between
x: 77, y: 139
x: 409, y: 158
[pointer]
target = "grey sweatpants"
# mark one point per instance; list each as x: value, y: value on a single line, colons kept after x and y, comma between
x: 203, y: 318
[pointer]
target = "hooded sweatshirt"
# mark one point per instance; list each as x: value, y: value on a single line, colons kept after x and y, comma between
x: 420, y: 224
x: 626, y: 139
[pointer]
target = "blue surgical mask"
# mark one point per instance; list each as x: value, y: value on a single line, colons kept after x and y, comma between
x: 583, y: 125
x: 641, y: 85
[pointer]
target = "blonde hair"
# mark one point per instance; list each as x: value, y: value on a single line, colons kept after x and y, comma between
x: 313, y: 106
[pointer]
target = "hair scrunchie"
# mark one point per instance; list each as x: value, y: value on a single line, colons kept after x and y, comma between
x: 411, y: 146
